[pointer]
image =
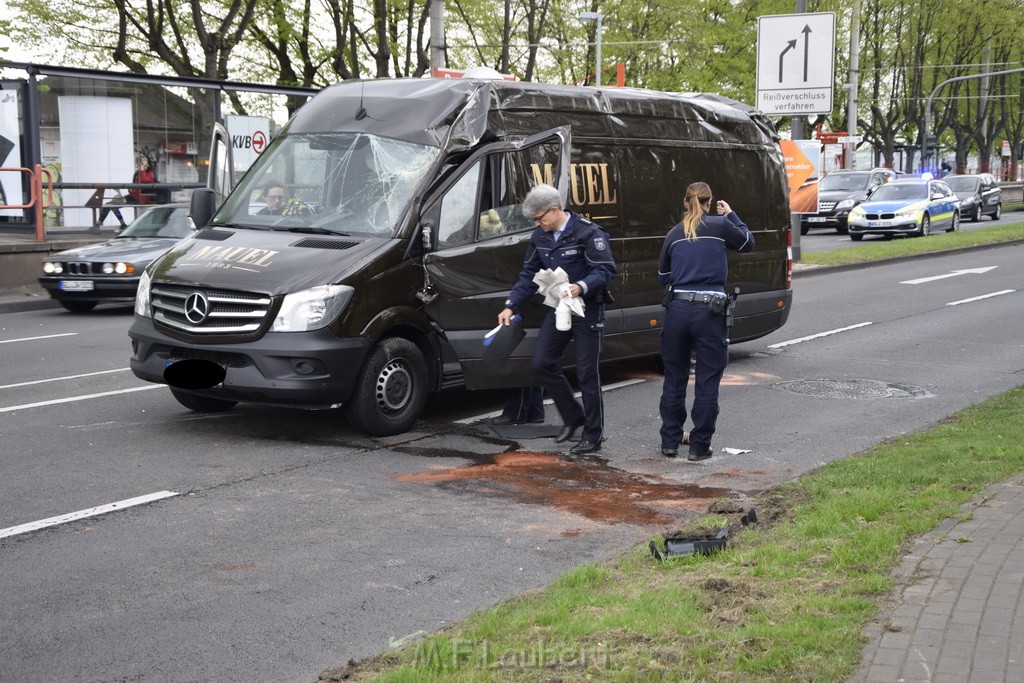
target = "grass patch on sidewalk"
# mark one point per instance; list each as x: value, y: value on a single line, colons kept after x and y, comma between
x: 786, y: 600
x: 906, y: 246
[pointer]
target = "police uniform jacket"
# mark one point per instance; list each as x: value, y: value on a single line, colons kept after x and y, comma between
x: 582, y: 251
x: 701, y: 264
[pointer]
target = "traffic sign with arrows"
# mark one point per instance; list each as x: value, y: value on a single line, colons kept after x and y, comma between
x: 795, y: 63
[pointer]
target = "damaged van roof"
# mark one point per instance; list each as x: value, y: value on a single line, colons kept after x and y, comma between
x: 457, y: 114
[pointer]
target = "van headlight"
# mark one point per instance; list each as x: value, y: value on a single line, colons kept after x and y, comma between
x: 312, y: 308
x: 845, y: 204
x: 142, y: 306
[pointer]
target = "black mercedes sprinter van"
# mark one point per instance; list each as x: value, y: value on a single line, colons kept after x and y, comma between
x: 401, y: 235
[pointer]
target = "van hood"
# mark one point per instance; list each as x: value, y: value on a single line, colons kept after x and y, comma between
x: 267, y: 262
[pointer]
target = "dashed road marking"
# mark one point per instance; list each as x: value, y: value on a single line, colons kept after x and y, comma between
x: 83, y: 514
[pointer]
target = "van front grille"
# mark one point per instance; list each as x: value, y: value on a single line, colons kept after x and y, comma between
x: 200, y: 310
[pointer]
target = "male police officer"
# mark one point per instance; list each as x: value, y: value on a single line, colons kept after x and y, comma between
x: 566, y: 240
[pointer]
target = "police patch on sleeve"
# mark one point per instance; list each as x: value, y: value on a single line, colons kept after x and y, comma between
x: 599, y: 243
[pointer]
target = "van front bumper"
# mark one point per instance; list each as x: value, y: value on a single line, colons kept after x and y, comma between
x: 297, y: 369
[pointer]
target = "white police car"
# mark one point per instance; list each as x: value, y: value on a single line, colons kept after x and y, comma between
x: 906, y: 207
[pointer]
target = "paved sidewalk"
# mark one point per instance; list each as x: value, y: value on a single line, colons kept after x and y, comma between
x: 958, y: 613
x: 28, y: 299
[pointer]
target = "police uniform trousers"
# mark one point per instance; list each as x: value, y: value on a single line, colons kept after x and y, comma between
x: 588, y: 333
x: 690, y: 326
x: 525, y: 405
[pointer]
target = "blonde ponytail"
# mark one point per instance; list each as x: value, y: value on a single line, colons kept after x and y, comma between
x: 697, y: 195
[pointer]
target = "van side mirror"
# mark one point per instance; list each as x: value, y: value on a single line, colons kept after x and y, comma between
x: 201, y: 206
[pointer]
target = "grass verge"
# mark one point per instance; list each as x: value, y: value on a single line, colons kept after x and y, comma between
x: 786, y: 600
x: 874, y: 251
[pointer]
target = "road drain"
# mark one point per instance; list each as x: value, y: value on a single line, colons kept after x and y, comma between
x: 852, y: 388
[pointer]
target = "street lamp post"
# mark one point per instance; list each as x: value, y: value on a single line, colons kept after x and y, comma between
x: 595, y: 16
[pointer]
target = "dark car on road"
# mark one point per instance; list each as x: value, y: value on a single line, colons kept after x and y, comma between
x: 838, y: 193
x: 980, y: 195
x: 109, y: 272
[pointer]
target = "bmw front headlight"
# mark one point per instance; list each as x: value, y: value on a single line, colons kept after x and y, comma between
x: 120, y: 268
x: 857, y: 212
x: 312, y: 309
x: 909, y: 211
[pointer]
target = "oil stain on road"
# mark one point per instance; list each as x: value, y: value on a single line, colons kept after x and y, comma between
x: 584, y: 486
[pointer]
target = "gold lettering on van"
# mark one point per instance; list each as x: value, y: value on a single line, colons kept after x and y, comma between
x: 590, y: 183
x: 256, y: 257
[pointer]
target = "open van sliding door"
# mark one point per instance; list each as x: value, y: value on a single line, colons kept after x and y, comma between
x: 478, y: 239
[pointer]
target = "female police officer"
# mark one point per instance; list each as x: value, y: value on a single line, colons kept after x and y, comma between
x: 563, y: 239
x: 693, y: 262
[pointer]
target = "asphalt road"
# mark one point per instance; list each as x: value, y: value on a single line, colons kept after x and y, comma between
x: 288, y: 543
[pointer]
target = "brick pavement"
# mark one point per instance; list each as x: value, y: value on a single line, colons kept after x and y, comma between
x: 958, y: 611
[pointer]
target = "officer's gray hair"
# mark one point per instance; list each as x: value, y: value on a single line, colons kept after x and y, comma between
x: 540, y: 199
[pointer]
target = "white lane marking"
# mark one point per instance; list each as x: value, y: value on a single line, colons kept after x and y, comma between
x: 49, y: 336
x: 548, y: 401
x: 82, y: 514
x: 60, y: 379
x: 979, y: 298
x: 72, y: 399
x: 968, y: 271
x: 817, y: 336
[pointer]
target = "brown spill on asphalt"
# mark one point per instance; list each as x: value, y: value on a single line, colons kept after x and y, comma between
x: 748, y: 379
x: 587, y: 487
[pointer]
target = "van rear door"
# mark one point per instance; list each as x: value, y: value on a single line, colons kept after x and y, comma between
x: 478, y: 242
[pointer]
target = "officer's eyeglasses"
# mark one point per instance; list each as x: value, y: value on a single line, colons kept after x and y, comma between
x: 538, y: 219
x: 275, y: 197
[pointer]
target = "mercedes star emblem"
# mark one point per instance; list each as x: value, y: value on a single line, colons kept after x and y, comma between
x: 197, y: 307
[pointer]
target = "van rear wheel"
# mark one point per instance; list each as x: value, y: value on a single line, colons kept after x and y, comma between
x: 391, y: 389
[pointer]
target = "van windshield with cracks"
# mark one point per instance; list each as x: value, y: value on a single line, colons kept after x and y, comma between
x: 344, y: 183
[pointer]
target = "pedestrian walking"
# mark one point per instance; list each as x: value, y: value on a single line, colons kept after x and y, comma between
x: 694, y: 267
x: 564, y: 239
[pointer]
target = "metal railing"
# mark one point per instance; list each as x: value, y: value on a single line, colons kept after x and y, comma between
x: 98, y: 201
x: 43, y: 194
x: 37, y: 202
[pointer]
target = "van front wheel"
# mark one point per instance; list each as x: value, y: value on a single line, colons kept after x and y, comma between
x: 391, y: 389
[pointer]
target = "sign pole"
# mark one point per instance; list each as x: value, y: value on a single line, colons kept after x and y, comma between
x: 797, y: 131
x: 851, y: 126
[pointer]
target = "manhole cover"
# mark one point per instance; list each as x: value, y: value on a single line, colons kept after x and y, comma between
x: 852, y: 388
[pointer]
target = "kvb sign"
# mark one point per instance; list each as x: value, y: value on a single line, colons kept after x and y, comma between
x: 249, y: 137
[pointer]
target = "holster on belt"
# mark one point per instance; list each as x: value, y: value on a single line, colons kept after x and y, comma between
x: 666, y: 298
